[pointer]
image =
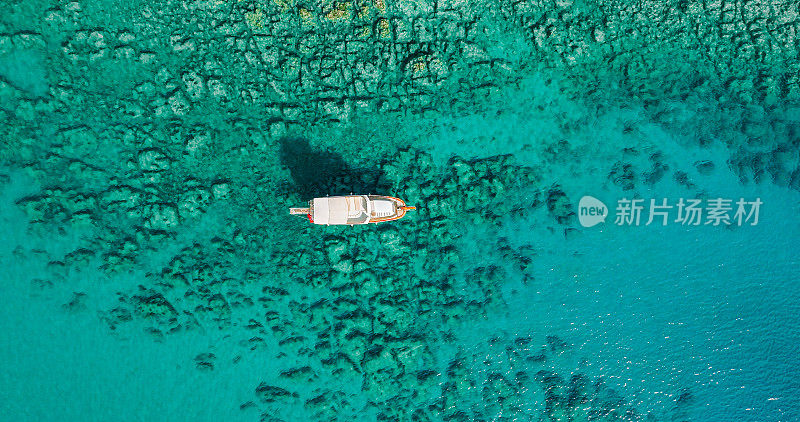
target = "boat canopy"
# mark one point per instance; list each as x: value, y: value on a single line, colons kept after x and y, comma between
x: 353, y: 209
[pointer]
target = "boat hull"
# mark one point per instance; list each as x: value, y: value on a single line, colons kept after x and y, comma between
x: 353, y: 210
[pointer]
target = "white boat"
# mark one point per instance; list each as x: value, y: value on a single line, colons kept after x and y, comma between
x: 353, y: 209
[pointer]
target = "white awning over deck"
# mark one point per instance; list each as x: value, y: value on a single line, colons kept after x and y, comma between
x: 341, y: 210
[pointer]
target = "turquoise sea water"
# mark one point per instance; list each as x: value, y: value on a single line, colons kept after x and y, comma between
x: 149, y: 153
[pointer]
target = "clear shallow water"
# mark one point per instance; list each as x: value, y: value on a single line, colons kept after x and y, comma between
x: 151, y: 271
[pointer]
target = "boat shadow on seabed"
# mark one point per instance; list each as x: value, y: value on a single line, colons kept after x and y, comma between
x: 322, y: 173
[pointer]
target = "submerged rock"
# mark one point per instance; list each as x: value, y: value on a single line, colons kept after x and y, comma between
x: 269, y: 393
x: 26, y: 70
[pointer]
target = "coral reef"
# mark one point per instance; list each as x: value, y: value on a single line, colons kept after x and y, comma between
x: 186, y: 130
